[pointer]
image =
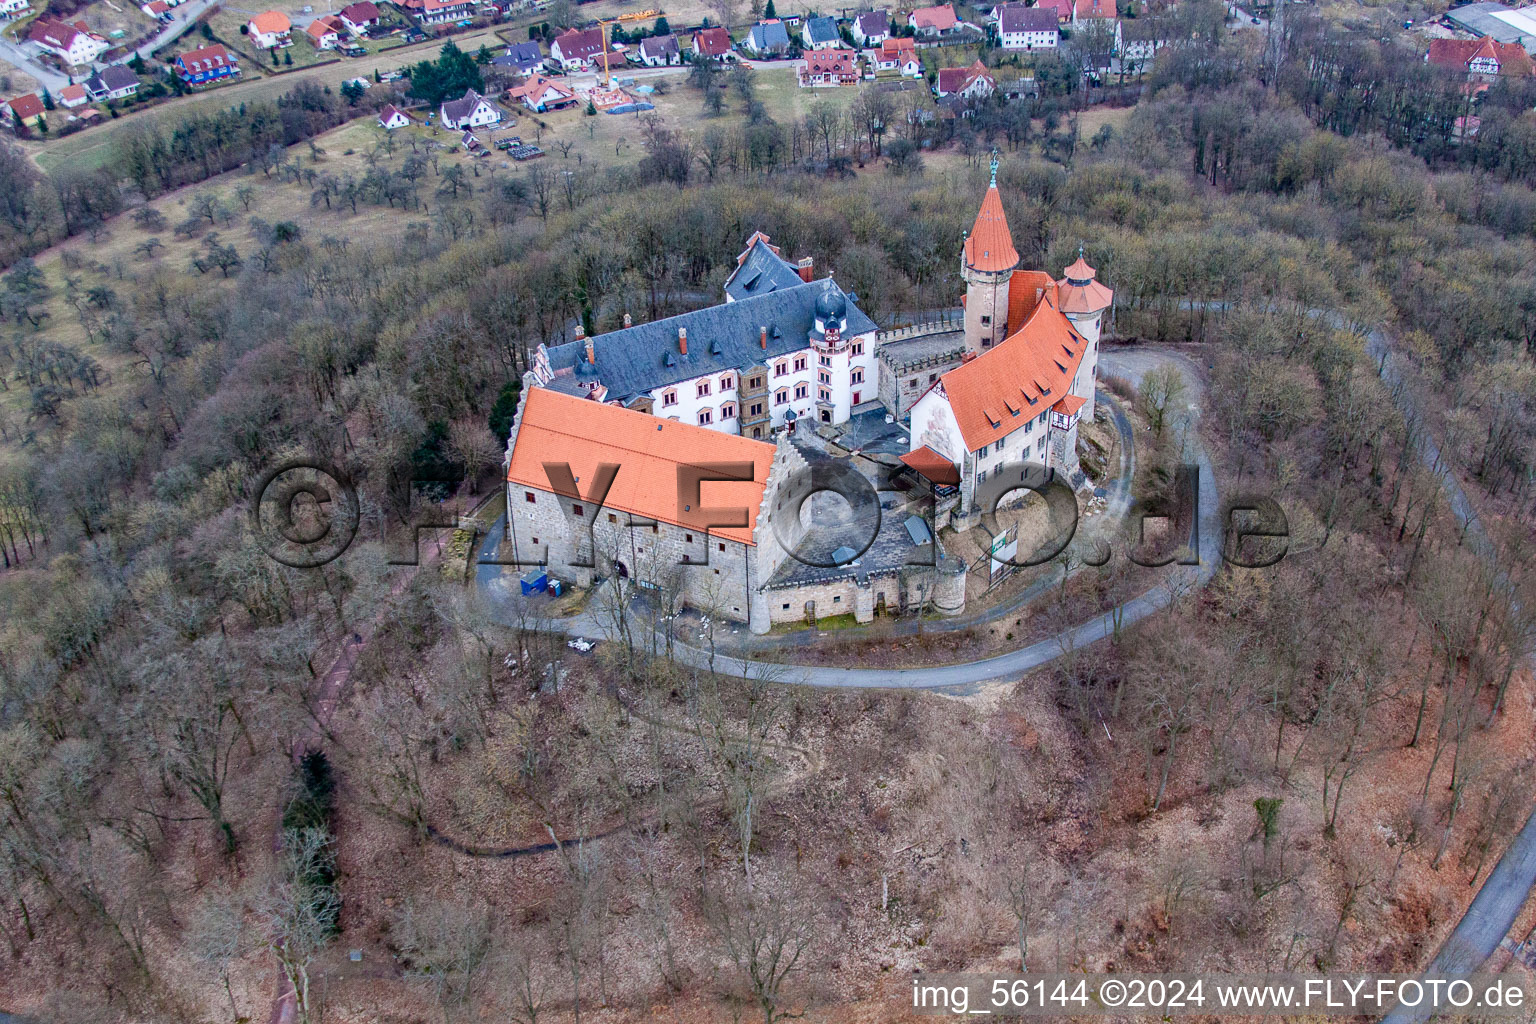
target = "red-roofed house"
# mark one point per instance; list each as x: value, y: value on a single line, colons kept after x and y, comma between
x: 1027, y: 29
x: 1089, y: 10
x: 14, y: 8
x: 1018, y: 399
x: 1482, y: 60
x: 900, y: 54
x: 829, y: 68
x: 714, y: 43
x: 359, y: 17
x: 72, y: 96
x: 438, y: 12
x: 1063, y: 9
x: 206, y: 64
x: 270, y: 30
x: 28, y: 109
x: 973, y: 82
x: 539, y: 94
x: 74, y: 44
x: 392, y: 117
x: 325, y: 32
x: 934, y: 21
x: 577, y: 49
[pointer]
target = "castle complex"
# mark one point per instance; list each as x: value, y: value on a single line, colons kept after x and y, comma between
x: 633, y: 411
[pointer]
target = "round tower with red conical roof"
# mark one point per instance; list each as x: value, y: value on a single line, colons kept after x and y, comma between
x: 987, y: 262
x: 1084, y: 299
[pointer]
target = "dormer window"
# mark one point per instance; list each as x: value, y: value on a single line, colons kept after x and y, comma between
x: 780, y: 369
x: 727, y: 382
x: 669, y: 397
x: 703, y: 388
x: 799, y: 363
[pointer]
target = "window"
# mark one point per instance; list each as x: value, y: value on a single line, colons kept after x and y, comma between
x: 986, y: 320
x: 703, y: 388
x: 858, y: 348
x: 826, y: 360
x: 799, y: 363
x: 687, y: 538
x: 981, y: 477
x: 728, y: 411
x: 529, y: 498
x: 823, y: 394
x: 669, y: 398
x: 706, y: 417
x: 612, y: 518
x: 786, y: 607
x: 801, y: 390
x: 912, y: 384
x: 577, y: 510
x: 780, y: 369
x: 722, y: 547
x: 755, y: 382
x: 824, y: 377
x: 535, y: 542
x: 1041, y: 446
x: 981, y: 452
x: 757, y: 409
x: 933, y: 378
x: 780, y: 396
x: 858, y: 375
x: 727, y: 382
x: 1041, y: 419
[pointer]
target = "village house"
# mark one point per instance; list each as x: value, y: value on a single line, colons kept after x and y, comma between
x: 934, y: 21
x: 1481, y: 60
x: 974, y: 82
x: 74, y: 44
x: 660, y: 51
x: 829, y: 68
x: 439, y: 12
x: 325, y: 32
x: 13, y: 8
x: 1028, y: 373
x: 206, y: 64
x: 27, y: 109
x: 1138, y: 40
x: 157, y: 9
x: 392, y: 117
x: 900, y: 54
x: 714, y: 43
x: 270, y: 30
x: 580, y: 49
x: 540, y: 94
x: 1023, y: 29
x: 72, y: 96
x: 1092, y: 10
x: 112, y: 83
x: 521, y: 57
x: 360, y: 17
x: 767, y: 39
x: 821, y: 34
x: 871, y: 28
x: 468, y: 112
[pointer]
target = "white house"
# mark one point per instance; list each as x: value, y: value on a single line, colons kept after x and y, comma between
x: 74, y: 44
x: 973, y: 83
x: 112, y: 83
x: 270, y: 30
x: 360, y: 17
x: 660, y: 51
x: 578, y: 49
x: 13, y: 8
x: 392, y: 117
x: 871, y: 28
x: 821, y: 34
x: 1023, y: 29
x: 469, y: 111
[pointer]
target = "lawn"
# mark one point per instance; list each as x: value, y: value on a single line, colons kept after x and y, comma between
x: 14, y: 81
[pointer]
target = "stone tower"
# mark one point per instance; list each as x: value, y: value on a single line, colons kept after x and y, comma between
x: 1084, y: 300
x: 987, y: 262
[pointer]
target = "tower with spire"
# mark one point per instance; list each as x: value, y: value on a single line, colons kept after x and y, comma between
x: 987, y: 263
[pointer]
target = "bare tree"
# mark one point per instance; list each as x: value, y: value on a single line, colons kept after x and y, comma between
x: 765, y: 935
x: 446, y: 944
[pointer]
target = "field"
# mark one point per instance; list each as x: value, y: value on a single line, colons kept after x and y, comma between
x: 14, y: 81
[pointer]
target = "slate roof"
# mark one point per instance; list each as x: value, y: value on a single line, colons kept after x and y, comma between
x: 639, y: 359
x: 762, y: 271
x: 111, y: 79
x: 769, y: 35
x: 821, y: 30
x: 659, y: 47
x: 874, y: 23
x: 459, y: 109
x: 522, y: 55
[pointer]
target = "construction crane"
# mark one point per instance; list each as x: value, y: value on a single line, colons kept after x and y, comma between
x: 604, y: 23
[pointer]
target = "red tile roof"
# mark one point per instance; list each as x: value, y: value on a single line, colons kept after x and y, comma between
x: 271, y: 22
x: 933, y: 466
x: 989, y: 246
x: 893, y: 47
x: 360, y: 12
x: 840, y: 63
x: 712, y: 42
x: 994, y: 394
x: 72, y: 92
x: 1459, y: 53
x: 953, y: 80
x: 27, y: 107
x: 206, y: 58
x: 580, y: 44
x: 1096, y: 9
x: 324, y: 26
x: 940, y: 19
x: 1080, y: 292
x: 556, y: 427
x: 1026, y: 290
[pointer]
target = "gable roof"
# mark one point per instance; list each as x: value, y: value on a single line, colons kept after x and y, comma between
x: 1459, y: 53
x: 989, y: 246
x: 768, y: 34
x: 27, y: 107
x: 760, y: 270
x: 1024, y: 375
x: 326, y: 24
x: 872, y: 23
x: 648, y: 450
x: 363, y: 10
x: 835, y: 62
x: 535, y: 88
x: 1063, y: 8
x: 639, y: 359
x: 55, y: 33
x: 893, y: 47
x: 659, y: 46
x: 525, y: 52
x: 271, y: 22
x: 953, y: 80
x: 580, y: 44
x: 111, y: 79
x: 206, y: 58
x: 390, y: 112
x: 940, y: 19
x: 1018, y: 18
x: 932, y: 466
x: 72, y: 92
x: 712, y: 42
x: 821, y: 30
x: 1095, y: 9
x: 459, y: 109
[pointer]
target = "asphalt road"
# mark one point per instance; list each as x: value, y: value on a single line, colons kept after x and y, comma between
x: 25, y: 55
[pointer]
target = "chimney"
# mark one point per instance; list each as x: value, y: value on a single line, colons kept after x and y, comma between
x: 762, y: 337
x: 591, y: 356
x: 682, y: 340
x: 628, y: 322
x: 581, y: 332
x: 806, y: 265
